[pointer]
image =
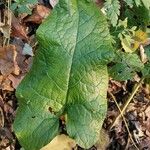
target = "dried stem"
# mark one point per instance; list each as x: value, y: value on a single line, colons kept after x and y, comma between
x: 113, y: 97
x: 9, y: 20
x: 136, y: 87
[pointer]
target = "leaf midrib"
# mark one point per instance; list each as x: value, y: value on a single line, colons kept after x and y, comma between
x: 67, y: 94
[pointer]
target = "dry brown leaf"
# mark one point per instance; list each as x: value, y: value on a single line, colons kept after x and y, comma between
x: 8, y: 62
x: 147, y: 112
x: 6, y: 85
x: 29, y: 62
x: 5, y: 23
x: 147, y: 122
x: 143, y: 56
x: 60, y: 142
x: 15, y: 80
x: 18, y: 30
x: 20, y: 57
x: 40, y: 12
x: 5, y: 30
x: 145, y: 144
x: 1, y: 79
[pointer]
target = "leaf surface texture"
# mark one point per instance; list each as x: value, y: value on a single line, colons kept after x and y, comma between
x: 69, y: 76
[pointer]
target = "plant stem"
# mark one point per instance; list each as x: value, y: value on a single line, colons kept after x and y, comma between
x: 136, y: 87
x: 113, y: 97
x: 9, y: 20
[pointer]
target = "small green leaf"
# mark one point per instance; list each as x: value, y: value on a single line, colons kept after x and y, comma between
x: 125, y: 66
x: 138, y: 3
x: 13, y: 6
x: 126, y: 44
x: 113, y: 10
x: 129, y: 2
x: 22, y: 6
x: 123, y: 23
x: 24, y: 9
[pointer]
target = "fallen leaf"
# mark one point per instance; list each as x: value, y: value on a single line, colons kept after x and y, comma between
x: 6, y: 85
x: 20, y: 57
x: 60, y: 142
x: 143, y: 56
x: 147, y: 122
x: 8, y: 62
x: 53, y: 2
x: 29, y: 62
x: 103, y: 140
x: 5, y: 30
x: 5, y: 23
x: 114, y: 86
x: 40, y: 12
x: 1, y: 39
x: 145, y: 144
x: 147, y: 112
x: 18, y: 30
x: 6, y: 136
x: 15, y: 80
x: 27, y: 50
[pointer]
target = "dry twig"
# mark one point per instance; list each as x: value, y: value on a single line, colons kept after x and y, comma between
x: 121, y: 113
x: 136, y: 87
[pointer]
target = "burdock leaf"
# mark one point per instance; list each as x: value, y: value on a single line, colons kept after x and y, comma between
x: 69, y: 76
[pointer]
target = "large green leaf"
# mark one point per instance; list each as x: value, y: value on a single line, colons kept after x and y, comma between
x: 69, y: 76
x: 147, y: 51
x: 146, y: 3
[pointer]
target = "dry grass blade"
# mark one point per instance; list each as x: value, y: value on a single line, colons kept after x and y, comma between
x: 1, y: 118
x: 121, y: 113
x: 9, y: 20
x: 136, y: 87
x: 5, y: 23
